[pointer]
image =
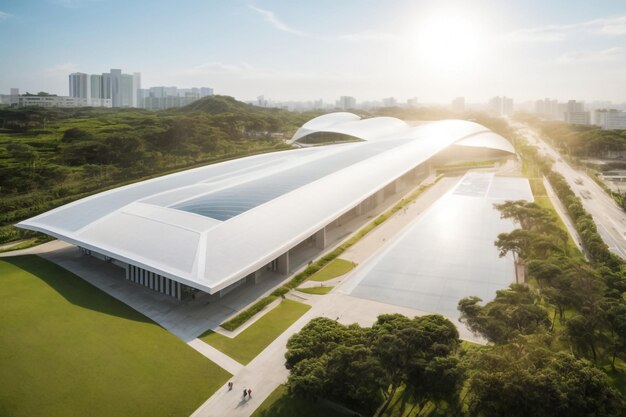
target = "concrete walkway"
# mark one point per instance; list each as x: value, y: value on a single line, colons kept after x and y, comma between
x: 224, y: 361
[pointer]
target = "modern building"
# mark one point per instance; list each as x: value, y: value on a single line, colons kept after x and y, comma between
x: 217, y: 227
x: 501, y: 106
x: 346, y: 103
x: 611, y: 119
x: 389, y: 102
x: 458, y: 105
x: 61, y: 101
x: 548, y: 108
x: 80, y: 85
x: 575, y: 113
x: 10, y: 99
x: 160, y: 98
x: 121, y: 89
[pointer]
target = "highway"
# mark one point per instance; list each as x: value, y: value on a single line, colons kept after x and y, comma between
x: 610, y: 219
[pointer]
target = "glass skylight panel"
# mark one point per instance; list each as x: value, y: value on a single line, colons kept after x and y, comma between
x: 229, y: 202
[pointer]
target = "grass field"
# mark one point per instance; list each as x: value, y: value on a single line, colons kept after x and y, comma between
x: 334, y: 269
x: 280, y: 404
x: 316, y: 290
x: 250, y: 342
x: 68, y: 349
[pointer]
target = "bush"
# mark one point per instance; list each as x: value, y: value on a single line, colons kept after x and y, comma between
x: 247, y: 314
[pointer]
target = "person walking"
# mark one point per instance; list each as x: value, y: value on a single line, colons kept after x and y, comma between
x: 230, y: 386
x: 249, y: 393
x: 245, y: 392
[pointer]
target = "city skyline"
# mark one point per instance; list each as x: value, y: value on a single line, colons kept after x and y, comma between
x: 434, y: 51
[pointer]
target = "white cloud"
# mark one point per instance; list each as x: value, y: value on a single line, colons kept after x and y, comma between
x: 610, y: 26
x: 271, y: 18
x: 4, y: 15
x: 605, y: 55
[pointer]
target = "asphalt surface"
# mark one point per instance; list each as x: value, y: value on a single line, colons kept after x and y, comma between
x: 610, y: 219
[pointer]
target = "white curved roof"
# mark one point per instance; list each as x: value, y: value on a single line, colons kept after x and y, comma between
x: 209, y: 227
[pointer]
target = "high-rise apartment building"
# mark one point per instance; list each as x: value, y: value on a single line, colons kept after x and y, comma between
x: 346, y: 102
x: 575, y: 113
x: 80, y: 85
x: 501, y: 106
x: 610, y: 119
x: 121, y: 89
x: 458, y: 105
x: 390, y: 102
x: 548, y: 108
x: 162, y: 97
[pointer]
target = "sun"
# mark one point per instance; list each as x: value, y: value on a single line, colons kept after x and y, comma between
x: 448, y: 42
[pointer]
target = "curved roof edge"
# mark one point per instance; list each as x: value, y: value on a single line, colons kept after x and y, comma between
x: 379, y: 128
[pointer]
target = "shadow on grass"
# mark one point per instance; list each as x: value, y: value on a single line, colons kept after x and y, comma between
x: 74, y: 289
x: 281, y: 404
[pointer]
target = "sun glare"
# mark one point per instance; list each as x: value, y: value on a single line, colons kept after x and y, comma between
x: 448, y: 42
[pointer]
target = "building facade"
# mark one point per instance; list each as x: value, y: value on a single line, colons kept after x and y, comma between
x: 60, y: 101
x: 160, y: 98
x: 610, y: 119
x: 121, y: 89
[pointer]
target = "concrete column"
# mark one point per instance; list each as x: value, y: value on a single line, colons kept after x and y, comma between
x: 254, y: 277
x: 380, y: 197
x: 320, y: 238
x: 283, y: 263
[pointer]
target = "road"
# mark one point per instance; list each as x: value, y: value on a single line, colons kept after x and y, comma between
x: 610, y: 219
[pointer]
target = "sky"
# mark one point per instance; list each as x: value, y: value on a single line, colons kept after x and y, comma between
x: 323, y: 49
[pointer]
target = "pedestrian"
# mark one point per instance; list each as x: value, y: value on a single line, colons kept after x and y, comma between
x: 230, y: 386
x: 245, y: 392
x: 249, y: 393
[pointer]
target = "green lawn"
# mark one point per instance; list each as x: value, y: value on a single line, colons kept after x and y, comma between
x: 280, y: 404
x: 68, y: 349
x: 335, y: 268
x: 250, y: 342
x: 316, y: 290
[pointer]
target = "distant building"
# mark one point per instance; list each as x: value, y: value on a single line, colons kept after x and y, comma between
x: 575, y: 113
x: 261, y: 101
x: 389, y: 102
x: 10, y: 99
x: 346, y: 102
x: 610, y: 119
x: 501, y: 106
x: 61, y: 101
x: 548, y: 108
x: 121, y: 89
x: 412, y: 102
x: 458, y: 105
x: 80, y: 85
x: 162, y: 97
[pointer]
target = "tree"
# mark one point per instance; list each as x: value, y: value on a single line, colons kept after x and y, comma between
x: 407, y: 347
x: 355, y: 365
x: 520, y: 380
x: 514, y: 311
